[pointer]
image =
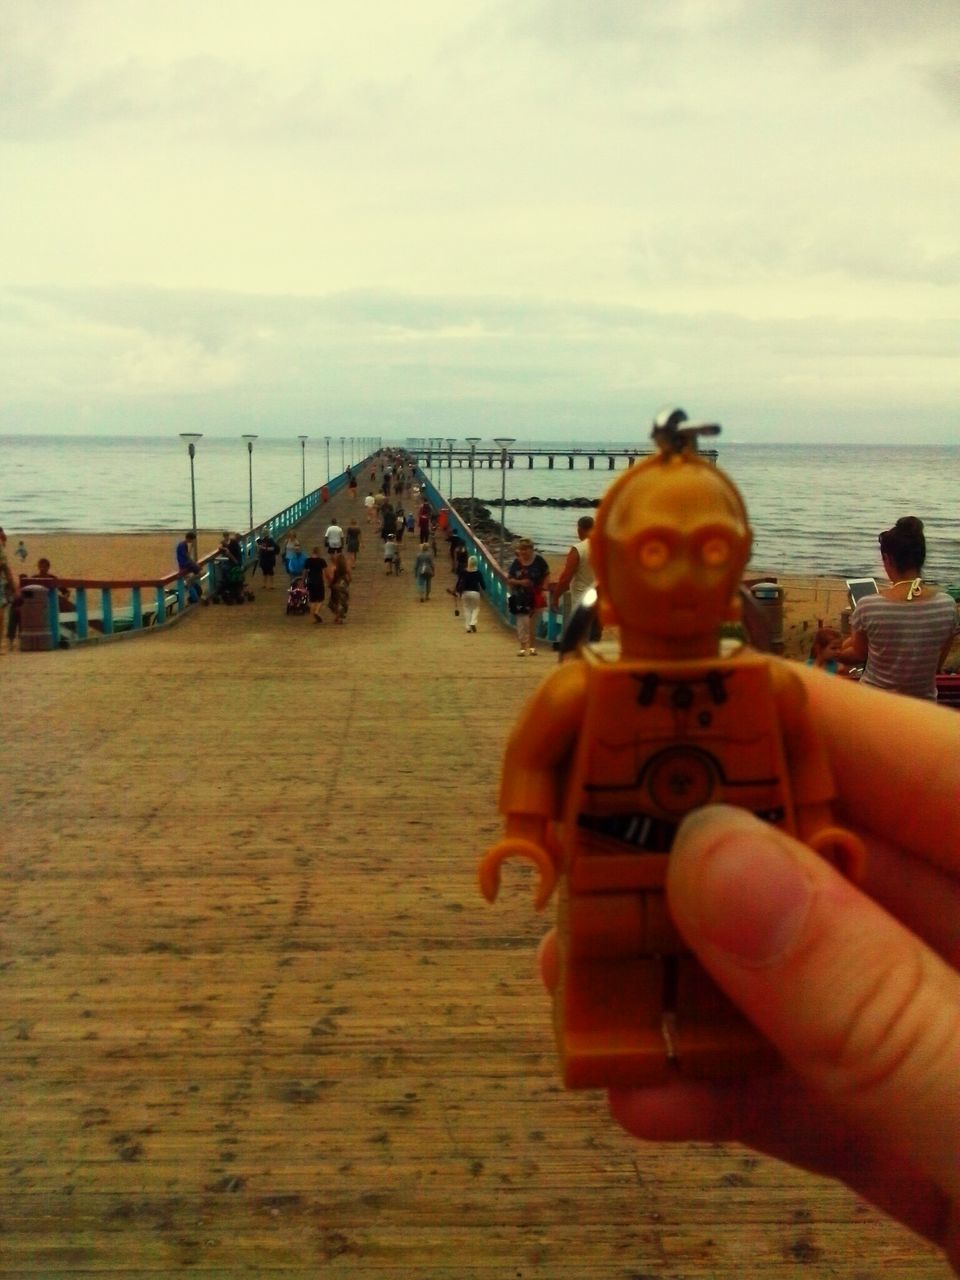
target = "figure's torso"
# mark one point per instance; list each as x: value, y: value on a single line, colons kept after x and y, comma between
x: 660, y: 739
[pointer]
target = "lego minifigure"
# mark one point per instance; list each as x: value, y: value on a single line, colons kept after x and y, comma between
x: 616, y: 746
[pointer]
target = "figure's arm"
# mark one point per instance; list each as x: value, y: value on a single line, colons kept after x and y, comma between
x: 811, y: 777
x: 534, y: 765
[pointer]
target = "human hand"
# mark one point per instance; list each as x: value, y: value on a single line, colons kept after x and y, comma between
x: 857, y: 987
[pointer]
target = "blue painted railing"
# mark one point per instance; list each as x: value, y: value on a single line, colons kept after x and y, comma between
x: 551, y: 622
x: 153, y: 601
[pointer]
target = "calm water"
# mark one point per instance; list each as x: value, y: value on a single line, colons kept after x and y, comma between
x: 815, y: 509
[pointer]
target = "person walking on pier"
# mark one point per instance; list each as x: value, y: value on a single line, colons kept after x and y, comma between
x: 333, y: 538
x: 527, y: 579
x: 352, y: 542
x: 339, y: 582
x: 291, y: 543
x: 469, y: 585
x: 423, y: 522
x: 577, y: 574
x: 315, y: 569
x: 424, y: 569
x: 267, y: 551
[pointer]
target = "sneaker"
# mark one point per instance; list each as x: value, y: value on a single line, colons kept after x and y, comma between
x: 522, y: 653
x: 532, y: 653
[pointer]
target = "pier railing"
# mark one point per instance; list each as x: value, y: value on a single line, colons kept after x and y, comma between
x: 550, y: 623
x: 114, y: 607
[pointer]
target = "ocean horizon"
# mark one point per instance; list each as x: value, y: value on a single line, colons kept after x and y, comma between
x: 815, y: 509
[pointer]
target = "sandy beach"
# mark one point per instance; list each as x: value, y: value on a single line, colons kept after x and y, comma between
x: 120, y: 556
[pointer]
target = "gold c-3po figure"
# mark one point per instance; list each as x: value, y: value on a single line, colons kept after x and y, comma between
x: 615, y: 748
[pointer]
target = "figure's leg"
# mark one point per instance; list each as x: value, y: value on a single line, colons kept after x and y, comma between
x: 711, y: 1038
x: 608, y: 1005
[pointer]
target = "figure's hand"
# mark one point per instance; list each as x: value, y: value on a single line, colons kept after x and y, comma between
x: 525, y: 838
x: 842, y: 849
x: 860, y: 994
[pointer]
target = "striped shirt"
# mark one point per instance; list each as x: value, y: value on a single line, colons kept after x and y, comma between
x: 904, y: 641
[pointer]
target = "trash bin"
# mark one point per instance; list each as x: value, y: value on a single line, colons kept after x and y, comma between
x: 769, y: 595
x: 35, y: 634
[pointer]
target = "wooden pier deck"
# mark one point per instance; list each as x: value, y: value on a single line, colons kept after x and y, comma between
x: 256, y: 1020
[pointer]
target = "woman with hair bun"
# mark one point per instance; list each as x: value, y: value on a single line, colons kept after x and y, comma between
x: 902, y: 635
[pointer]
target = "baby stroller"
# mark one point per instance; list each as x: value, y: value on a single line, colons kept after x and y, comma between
x: 298, y: 598
x: 229, y: 587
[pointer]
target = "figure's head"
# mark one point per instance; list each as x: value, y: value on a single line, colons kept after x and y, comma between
x: 584, y: 527
x: 669, y: 546
x: 43, y: 566
x: 904, y: 547
x: 525, y: 550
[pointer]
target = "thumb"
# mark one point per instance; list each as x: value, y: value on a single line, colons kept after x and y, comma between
x: 861, y: 1009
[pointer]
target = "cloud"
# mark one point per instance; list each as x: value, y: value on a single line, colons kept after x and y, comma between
x: 662, y: 25
x: 370, y: 354
x: 561, y: 207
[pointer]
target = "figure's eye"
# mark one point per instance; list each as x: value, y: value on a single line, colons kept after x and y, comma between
x: 654, y: 553
x: 715, y: 552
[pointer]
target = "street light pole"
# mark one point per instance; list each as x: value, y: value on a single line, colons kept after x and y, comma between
x: 503, y: 442
x: 191, y: 438
x: 472, y: 441
x: 303, y: 464
x: 451, y: 441
x: 343, y: 458
x: 327, y: 438
x: 250, y: 439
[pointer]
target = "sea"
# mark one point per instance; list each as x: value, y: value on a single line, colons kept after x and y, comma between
x: 815, y: 508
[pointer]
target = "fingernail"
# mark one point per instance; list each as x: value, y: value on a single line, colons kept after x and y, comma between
x: 737, y: 887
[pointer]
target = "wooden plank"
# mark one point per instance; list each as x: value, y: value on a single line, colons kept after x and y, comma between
x: 255, y: 1018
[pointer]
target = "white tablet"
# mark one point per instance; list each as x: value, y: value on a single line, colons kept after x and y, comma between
x: 860, y: 587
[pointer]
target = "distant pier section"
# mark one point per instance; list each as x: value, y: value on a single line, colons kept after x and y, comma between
x: 548, y: 457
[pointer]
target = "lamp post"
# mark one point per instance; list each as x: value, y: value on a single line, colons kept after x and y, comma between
x: 250, y: 439
x: 191, y: 438
x: 327, y: 438
x: 503, y: 442
x: 472, y: 441
x: 451, y: 441
x: 303, y: 464
x: 343, y: 456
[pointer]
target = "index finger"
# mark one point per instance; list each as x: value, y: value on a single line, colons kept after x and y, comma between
x: 896, y: 763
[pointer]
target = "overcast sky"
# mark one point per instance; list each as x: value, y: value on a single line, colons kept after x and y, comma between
x: 533, y: 217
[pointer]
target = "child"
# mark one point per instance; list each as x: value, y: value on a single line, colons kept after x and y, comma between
x: 825, y: 650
